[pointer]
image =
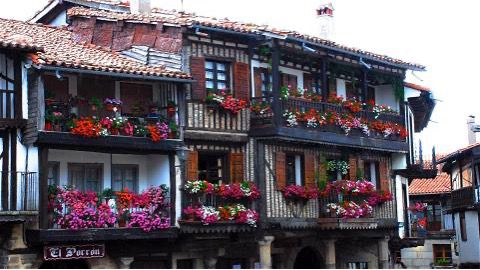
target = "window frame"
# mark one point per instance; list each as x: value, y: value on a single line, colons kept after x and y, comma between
x: 123, y: 167
x: 289, y: 181
x: 215, y: 72
x: 444, y: 249
x: 266, y: 78
x: 225, y: 178
x: 55, y: 165
x: 84, y: 166
x: 376, y: 164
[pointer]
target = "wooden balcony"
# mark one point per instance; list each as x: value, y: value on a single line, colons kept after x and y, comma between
x: 19, y: 199
x: 212, y: 123
x: 383, y: 216
x: 268, y: 124
x: 464, y: 197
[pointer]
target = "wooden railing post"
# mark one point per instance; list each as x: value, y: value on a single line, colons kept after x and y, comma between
x: 43, y: 187
x: 277, y: 113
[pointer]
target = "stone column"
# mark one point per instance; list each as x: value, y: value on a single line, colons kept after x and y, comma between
x: 383, y: 253
x: 330, y: 260
x: 198, y: 264
x: 124, y: 262
x: 265, y: 251
x: 210, y: 262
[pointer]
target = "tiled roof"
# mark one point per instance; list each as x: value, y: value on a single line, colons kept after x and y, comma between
x: 459, y: 151
x: 191, y: 19
x: 417, y: 87
x: 423, y: 186
x: 60, y: 50
x: 19, y: 42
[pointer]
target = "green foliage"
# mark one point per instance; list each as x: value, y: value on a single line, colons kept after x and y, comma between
x: 108, y: 193
x: 96, y: 102
x: 359, y: 174
x: 442, y: 262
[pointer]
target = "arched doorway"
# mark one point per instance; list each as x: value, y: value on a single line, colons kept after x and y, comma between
x: 308, y: 258
x: 65, y: 264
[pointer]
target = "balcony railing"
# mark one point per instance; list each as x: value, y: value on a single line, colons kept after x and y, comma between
x: 19, y: 191
x: 266, y: 118
x: 202, y: 116
x: 383, y: 215
x: 465, y: 197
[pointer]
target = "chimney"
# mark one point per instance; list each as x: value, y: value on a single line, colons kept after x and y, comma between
x: 140, y: 6
x: 472, y: 136
x: 325, y: 19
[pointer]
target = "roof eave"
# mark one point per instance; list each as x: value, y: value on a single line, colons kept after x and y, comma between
x: 113, y: 74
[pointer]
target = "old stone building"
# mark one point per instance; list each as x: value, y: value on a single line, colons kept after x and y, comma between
x: 172, y: 140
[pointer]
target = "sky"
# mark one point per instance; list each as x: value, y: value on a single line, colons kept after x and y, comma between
x: 435, y: 33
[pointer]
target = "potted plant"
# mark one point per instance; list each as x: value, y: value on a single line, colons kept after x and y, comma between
x: 112, y: 104
x: 171, y: 108
x: 173, y: 130
x: 123, y: 218
x: 95, y: 104
x: 138, y: 109
x: 107, y: 194
x: 53, y: 121
x: 49, y: 98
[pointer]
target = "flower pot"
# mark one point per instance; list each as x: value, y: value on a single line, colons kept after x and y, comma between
x: 172, y: 135
x: 57, y: 127
x: 49, y: 101
x: 94, y: 108
x: 114, y: 131
x: 122, y: 223
x: 109, y: 107
x: 48, y: 126
x: 171, y: 111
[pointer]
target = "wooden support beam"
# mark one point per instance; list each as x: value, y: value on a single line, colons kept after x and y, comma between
x: 5, y: 169
x: 17, y: 95
x: 276, y: 83
x: 13, y: 170
x: 173, y: 188
x: 364, y: 84
x: 324, y: 78
x: 43, y: 187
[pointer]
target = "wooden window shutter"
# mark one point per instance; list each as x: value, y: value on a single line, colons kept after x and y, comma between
x: 293, y: 81
x: 309, y: 164
x: 197, y: 68
x: 307, y: 81
x: 280, y: 170
x: 353, y: 168
x: 332, y: 86
x: 236, y: 167
x: 384, y: 176
x: 241, y: 80
x: 257, y: 81
x: 192, y: 165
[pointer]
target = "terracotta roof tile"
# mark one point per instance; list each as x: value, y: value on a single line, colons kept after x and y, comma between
x: 191, y: 19
x: 459, y: 151
x: 440, y: 184
x: 417, y: 87
x: 60, y: 50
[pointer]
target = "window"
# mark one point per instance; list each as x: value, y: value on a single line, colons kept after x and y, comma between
x: 371, y: 172
x: 124, y: 176
x: 53, y: 170
x: 289, y: 79
x: 353, y: 91
x: 266, y: 82
x: 434, y: 216
x: 442, y: 252
x: 334, y: 174
x: 217, y: 75
x: 357, y: 265
x: 86, y: 177
x: 295, y: 169
x: 211, y: 167
x: 463, y: 226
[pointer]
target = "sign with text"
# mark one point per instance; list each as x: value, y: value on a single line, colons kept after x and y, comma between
x: 73, y: 252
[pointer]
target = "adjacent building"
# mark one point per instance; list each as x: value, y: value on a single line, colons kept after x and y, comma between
x: 202, y: 113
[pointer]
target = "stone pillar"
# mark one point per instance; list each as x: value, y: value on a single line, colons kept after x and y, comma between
x: 265, y: 251
x: 210, y: 262
x: 198, y: 264
x: 330, y: 260
x: 383, y: 253
x: 124, y: 262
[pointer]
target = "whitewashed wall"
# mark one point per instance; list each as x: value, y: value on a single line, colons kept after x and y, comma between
x: 469, y: 251
x: 152, y: 169
x: 384, y: 95
x: 422, y: 256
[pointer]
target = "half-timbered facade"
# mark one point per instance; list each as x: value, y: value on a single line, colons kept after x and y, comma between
x: 259, y: 109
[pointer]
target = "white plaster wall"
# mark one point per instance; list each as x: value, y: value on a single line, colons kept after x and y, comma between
x: 469, y: 251
x: 152, y: 169
x: 410, y: 92
x: 399, y: 161
x: 341, y: 88
x: 422, y: 256
x: 448, y: 221
x: 60, y: 20
x: 384, y: 95
x: 24, y: 92
x: 400, y: 207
